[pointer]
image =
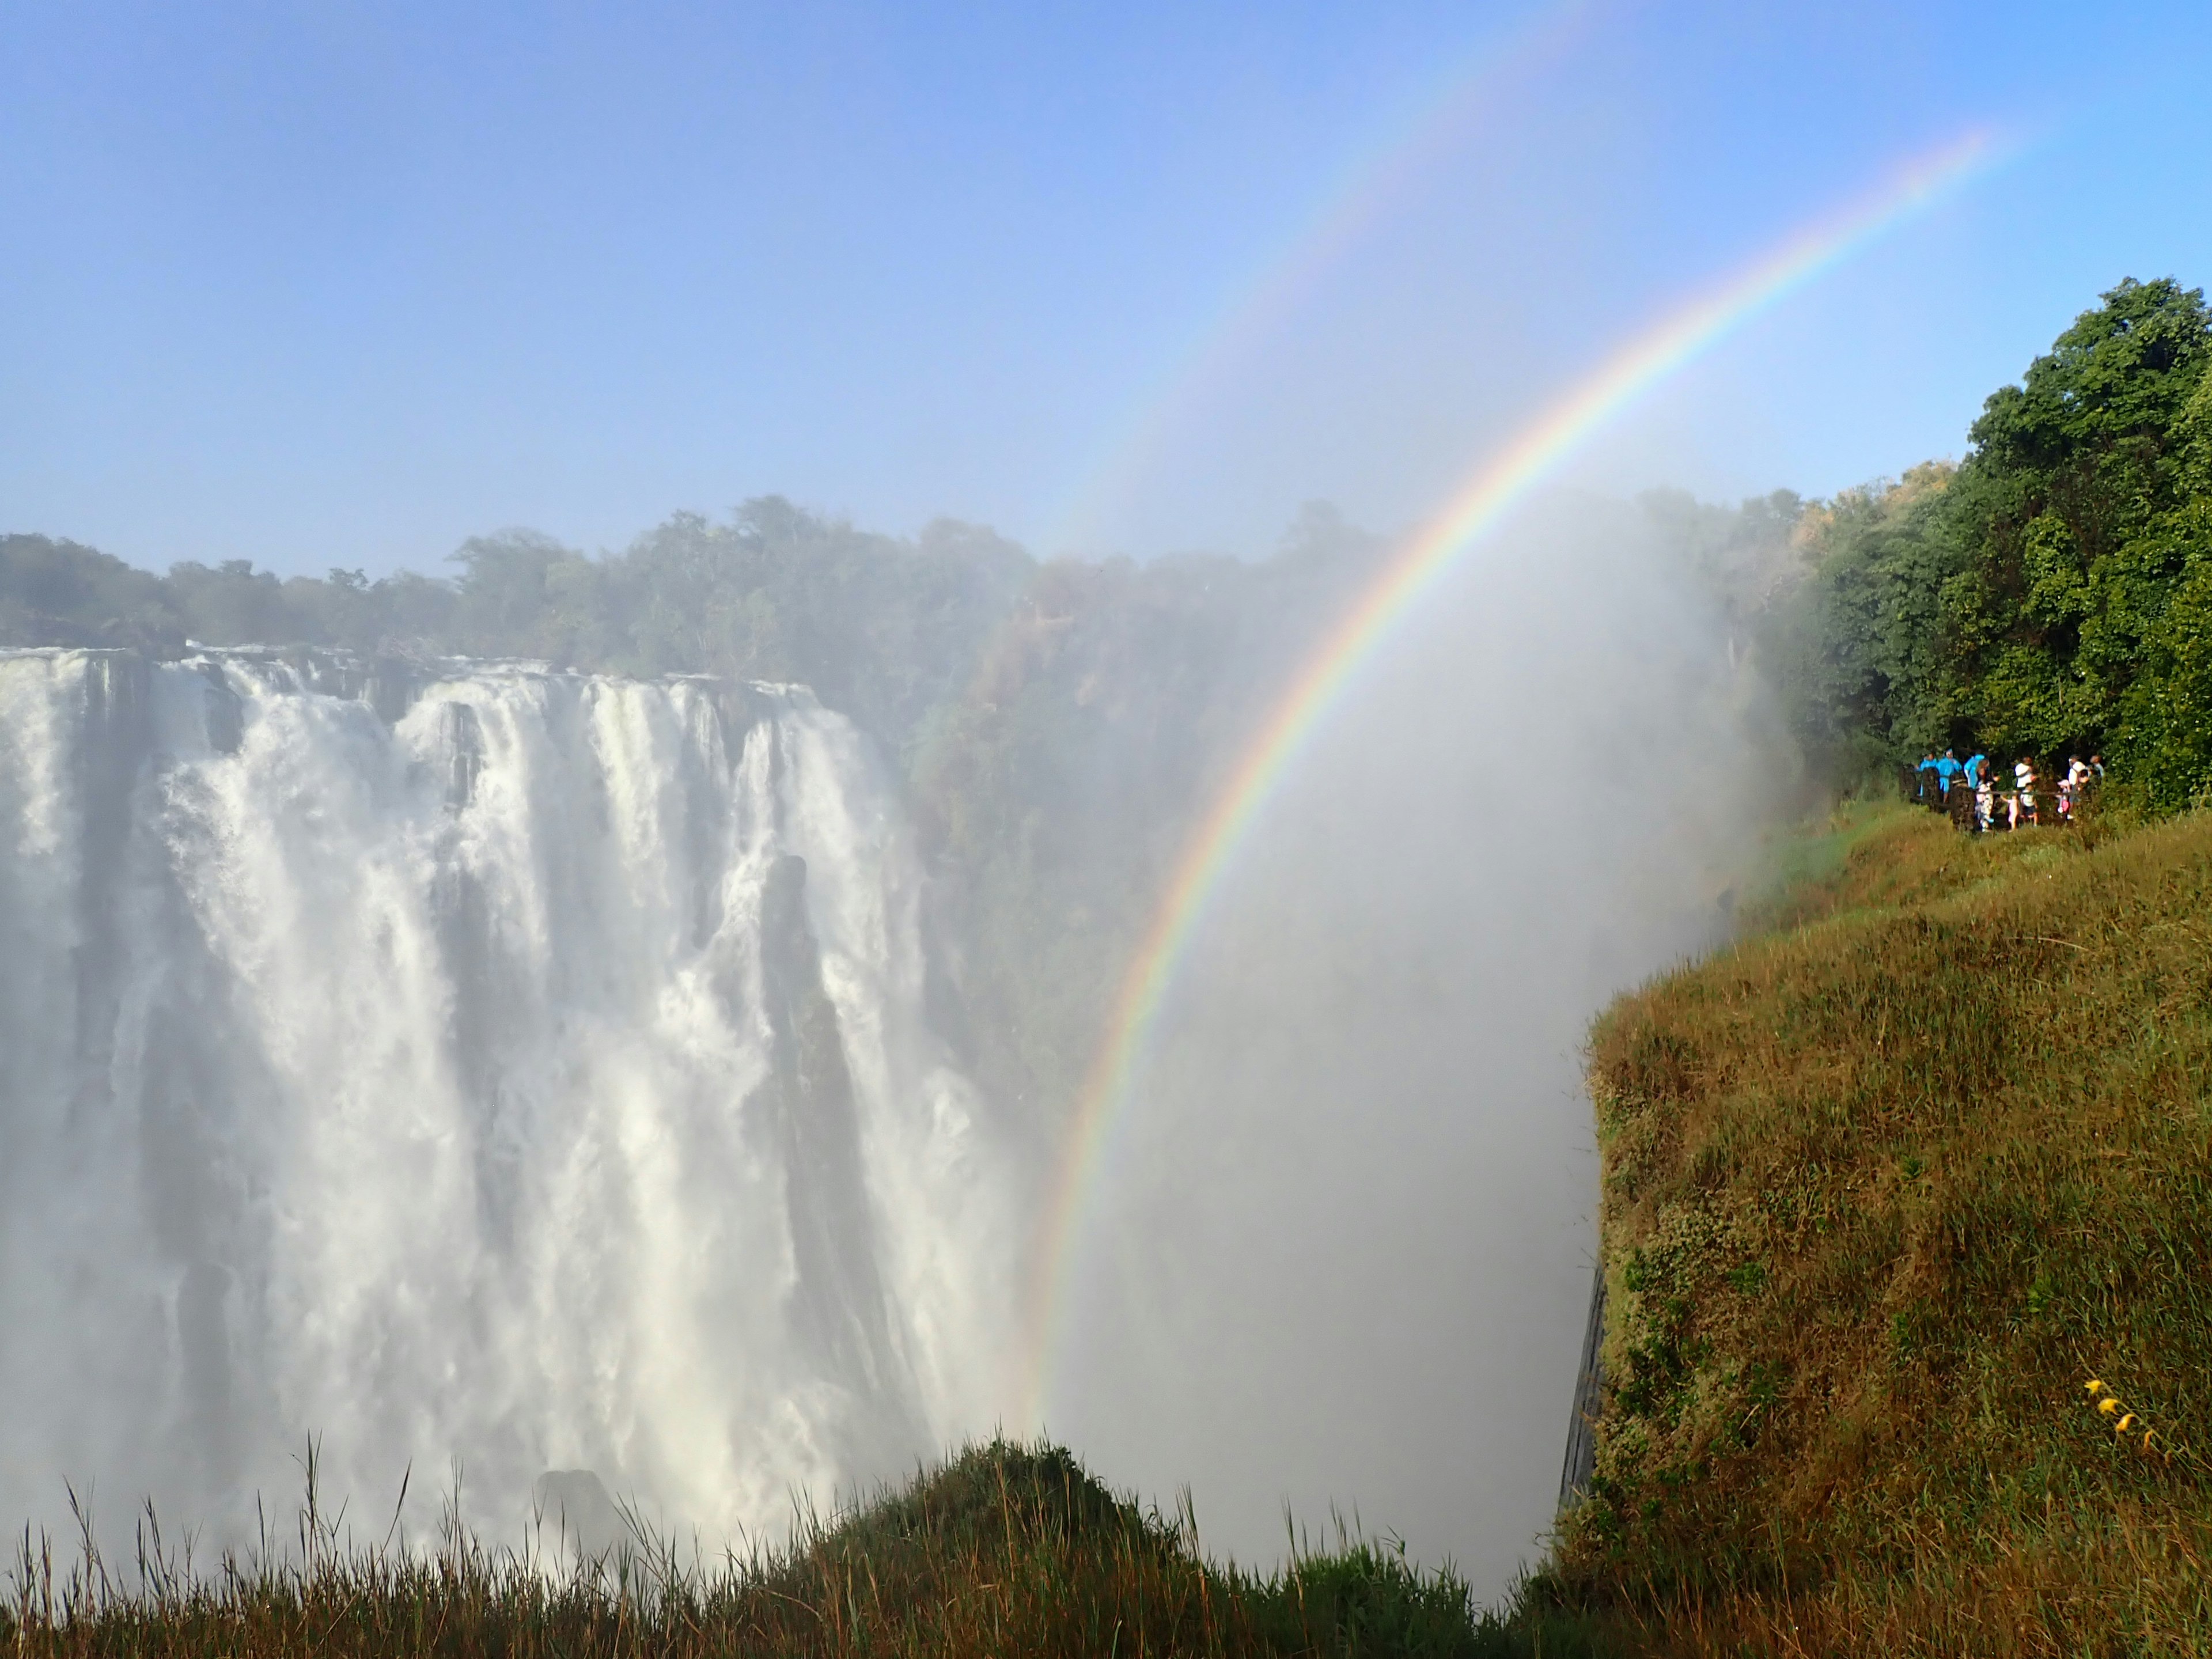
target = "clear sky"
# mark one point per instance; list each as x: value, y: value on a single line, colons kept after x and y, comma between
x: 332, y: 284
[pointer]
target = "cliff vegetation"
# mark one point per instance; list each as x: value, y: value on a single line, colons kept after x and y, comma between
x: 1906, y: 1214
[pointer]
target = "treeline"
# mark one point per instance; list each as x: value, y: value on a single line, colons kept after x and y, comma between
x: 878, y: 626
x: 2049, y: 595
x: 893, y: 631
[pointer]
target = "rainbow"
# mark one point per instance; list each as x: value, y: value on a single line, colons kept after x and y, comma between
x: 1499, y: 484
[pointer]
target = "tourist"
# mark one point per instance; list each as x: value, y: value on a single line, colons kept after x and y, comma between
x: 2023, y: 778
x: 1946, y: 771
x: 2073, y: 787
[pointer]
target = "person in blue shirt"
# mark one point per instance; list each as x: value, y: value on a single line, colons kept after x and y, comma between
x: 1977, y: 763
x: 1946, y: 769
x: 1924, y: 780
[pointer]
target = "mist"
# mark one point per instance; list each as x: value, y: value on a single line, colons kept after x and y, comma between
x: 1341, y: 1257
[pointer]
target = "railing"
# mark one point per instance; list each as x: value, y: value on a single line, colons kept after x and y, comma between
x: 1590, y: 1389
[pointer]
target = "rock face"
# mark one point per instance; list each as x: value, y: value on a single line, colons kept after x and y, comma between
x: 577, y: 1518
x: 807, y: 1096
x: 468, y: 1061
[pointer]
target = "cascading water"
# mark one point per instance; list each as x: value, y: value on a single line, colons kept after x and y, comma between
x: 483, y: 1064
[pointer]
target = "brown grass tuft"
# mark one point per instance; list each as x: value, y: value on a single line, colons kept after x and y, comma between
x: 1006, y: 1550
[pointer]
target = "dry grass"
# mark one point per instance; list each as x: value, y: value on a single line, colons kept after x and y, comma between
x: 1884, y: 1186
x: 1007, y: 1550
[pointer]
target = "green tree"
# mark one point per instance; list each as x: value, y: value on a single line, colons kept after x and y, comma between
x: 2050, y: 595
x: 61, y: 593
x: 2081, y: 524
x: 1859, y: 650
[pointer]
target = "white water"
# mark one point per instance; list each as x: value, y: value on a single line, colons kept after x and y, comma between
x: 454, y: 1081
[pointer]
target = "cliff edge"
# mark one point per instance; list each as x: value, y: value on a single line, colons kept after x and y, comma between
x: 1907, y: 1244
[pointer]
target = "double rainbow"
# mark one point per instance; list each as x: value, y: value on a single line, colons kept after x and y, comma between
x: 1499, y: 484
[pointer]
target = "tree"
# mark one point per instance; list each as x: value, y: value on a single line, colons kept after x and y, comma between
x: 1860, y: 654
x: 2052, y: 595
x: 2073, y: 509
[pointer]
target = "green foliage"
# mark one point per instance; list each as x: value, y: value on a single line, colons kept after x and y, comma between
x: 2080, y: 519
x: 2048, y: 596
x: 59, y: 592
x: 883, y: 629
x: 1745, y: 558
x: 1859, y: 645
x: 1883, y: 1187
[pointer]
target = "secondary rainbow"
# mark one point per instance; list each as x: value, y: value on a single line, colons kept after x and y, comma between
x: 1361, y: 193
x: 1502, y: 481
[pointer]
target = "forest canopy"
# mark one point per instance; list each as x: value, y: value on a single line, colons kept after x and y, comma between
x: 2050, y: 595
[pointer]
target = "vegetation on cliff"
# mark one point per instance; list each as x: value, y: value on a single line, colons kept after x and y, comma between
x: 1888, y: 1186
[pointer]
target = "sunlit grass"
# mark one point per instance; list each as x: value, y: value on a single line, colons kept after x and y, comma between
x: 1007, y: 1550
x: 1883, y: 1186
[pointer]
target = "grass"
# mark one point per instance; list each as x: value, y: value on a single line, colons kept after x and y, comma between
x: 1885, y: 1185
x: 1006, y: 1549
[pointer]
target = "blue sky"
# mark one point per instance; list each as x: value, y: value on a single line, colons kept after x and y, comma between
x: 325, y: 285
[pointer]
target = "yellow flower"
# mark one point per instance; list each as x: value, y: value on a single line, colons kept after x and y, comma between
x: 2095, y: 1388
x: 2124, y: 1423
x: 2109, y: 1403
x: 2146, y: 1441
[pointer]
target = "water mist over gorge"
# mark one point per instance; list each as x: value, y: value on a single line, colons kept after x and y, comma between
x: 663, y: 1073
x: 488, y: 1064
x: 1347, y: 1223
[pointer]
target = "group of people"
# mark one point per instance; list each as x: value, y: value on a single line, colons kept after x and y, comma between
x: 1970, y: 791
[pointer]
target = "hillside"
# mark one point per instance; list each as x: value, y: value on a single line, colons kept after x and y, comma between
x: 1887, y: 1185
x: 1005, y: 1550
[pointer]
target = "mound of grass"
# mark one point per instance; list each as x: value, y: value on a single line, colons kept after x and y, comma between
x: 1886, y: 1188
x: 1006, y: 1550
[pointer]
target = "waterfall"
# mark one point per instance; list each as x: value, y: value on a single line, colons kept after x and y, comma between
x: 472, y: 1065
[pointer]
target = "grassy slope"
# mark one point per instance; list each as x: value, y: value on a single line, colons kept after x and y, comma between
x: 1006, y: 1550
x: 1885, y: 1185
